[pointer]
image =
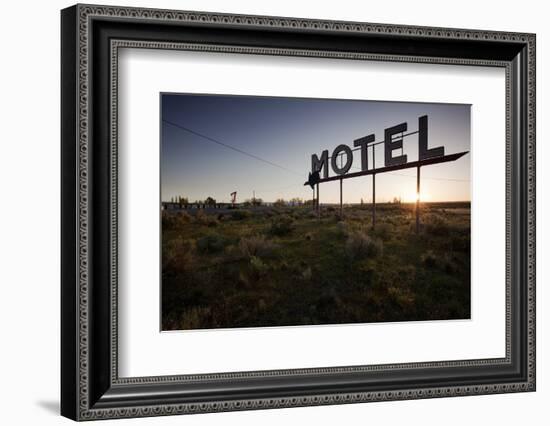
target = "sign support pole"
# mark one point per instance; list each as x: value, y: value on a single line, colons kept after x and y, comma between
x: 373, y: 200
x: 318, y: 204
x: 417, y: 199
x: 341, y: 205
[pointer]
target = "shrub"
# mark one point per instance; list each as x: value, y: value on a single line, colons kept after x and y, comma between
x: 174, y: 220
x: 211, y: 243
x: 183, y: 217
x: 258, y: 267
x: 281, y: 225
x: 402, y: 296
x: 359, y: 246
x: 435, y: 224
x: 262, y: 305
x: 429, y: 259
x: 212, y: 221
x: 195, y: 317
x: 255, y: 270
x: 178, y: 255
x: 168, y: 220
x: 240, y: 214
x: 342, y: 228
x: 311, y: 215
x: 382, y: 230
x: 258, y: 264
x: 307, y: 273
x: 460, y: 243
x: 449, y: 264
x: 256, y: 246
x: 201, y: 217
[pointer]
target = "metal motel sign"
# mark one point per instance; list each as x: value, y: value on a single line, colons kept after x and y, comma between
x: 342, y: 159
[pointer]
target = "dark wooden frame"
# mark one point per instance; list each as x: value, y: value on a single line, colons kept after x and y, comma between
x: 90, y: 386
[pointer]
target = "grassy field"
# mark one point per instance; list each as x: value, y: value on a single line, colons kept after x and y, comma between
x: 278, y: 266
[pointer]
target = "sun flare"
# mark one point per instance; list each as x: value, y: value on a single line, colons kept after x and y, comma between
x: 415, y: 196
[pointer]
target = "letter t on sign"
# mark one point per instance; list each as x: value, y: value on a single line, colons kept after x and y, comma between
x: 363, y: 143
x: 423, y: 151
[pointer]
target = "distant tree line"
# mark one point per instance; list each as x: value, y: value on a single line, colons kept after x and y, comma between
x: 184, y: 201
x: 253, y: 202
x: 296, y: 201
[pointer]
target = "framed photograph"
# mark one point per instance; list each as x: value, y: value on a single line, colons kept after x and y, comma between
x: 263, y: 212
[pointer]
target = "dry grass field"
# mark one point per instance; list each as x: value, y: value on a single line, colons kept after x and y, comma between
x: 282, y: 266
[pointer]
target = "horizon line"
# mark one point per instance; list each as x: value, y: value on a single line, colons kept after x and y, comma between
x: 327, y: 203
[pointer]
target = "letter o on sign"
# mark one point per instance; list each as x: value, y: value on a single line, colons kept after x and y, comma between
x: 334, y: 160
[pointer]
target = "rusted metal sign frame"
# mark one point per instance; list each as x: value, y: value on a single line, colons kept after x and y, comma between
x: 413, y: 164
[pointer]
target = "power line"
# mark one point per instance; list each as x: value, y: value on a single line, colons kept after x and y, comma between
x: 230, y: 147
x: 278, y: 189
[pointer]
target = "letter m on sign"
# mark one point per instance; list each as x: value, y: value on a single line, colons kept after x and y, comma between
x: 320, y: 164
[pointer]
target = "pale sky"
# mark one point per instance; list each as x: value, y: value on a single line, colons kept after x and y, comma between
x: 286, y: 132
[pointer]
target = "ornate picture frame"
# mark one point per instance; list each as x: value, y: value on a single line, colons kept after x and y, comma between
x: 91, y: 37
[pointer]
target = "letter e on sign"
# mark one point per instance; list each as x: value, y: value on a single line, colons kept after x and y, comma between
x: 391, y: 145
